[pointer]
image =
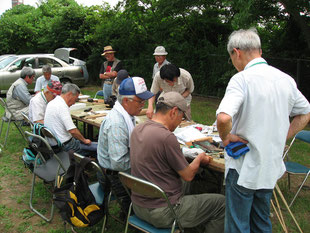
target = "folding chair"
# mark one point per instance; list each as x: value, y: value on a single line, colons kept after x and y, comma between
x: 99, y: 93
x: 293, y: 168
x: 147, y: 189
x: 17, y: 123
x: 48, y: 166
x: 26, y: 119
x: 96, y: 189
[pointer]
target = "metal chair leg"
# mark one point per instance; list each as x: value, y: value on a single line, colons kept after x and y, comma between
x: 7, y: 133
x: 35, y: 210
x: 300, y: 187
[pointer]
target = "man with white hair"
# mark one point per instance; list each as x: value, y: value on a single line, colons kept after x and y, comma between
x: 39, y: 102
x: 255, y: 112
x: 115, y: 131
x: 43, y: 80
x: 58, y: 120
x: 18, y: 96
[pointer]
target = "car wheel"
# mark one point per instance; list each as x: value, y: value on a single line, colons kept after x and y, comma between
x: 65, y: 81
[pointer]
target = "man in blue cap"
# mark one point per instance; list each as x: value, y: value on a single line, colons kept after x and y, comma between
x: 115, y: 130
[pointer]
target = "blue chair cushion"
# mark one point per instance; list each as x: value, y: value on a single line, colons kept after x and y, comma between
x: 296, y: 168
x: 304, y: 135
x: 134, y: 220
x: 97, y: 191
x: 100, y: 93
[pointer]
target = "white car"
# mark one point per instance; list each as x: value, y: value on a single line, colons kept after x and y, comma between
x: 10, y: 68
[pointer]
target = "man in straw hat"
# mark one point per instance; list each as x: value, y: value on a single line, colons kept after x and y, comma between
x: 155, y: 156
x: 109, y: 70
x: 39, y: 102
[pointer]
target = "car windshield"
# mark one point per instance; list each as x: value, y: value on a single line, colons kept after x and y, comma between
x: 7, y: 61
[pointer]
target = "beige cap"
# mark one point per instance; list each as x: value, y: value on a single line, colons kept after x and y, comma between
x: 107, y: 49
x: 160, y: 51
x: 175, y: 99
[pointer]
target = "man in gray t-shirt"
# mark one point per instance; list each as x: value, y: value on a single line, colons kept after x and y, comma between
x: 155, y: 156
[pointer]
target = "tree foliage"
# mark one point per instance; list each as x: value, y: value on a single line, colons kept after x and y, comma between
x: 193, y: 32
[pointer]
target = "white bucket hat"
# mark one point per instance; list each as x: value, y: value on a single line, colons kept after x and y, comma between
x: 160, y: 50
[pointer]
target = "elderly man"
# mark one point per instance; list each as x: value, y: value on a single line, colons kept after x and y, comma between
x: 160, y: 57
x: 109, y: 70
x: 115, y: 131
x: 43, y: 80
x: 156, y: 156
x: 58, y: 120
x: 18, y: 96
x: 39, y: 102
x: 172, y: 78
x: 256, y: 110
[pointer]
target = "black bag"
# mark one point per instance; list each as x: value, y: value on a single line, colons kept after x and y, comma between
x: 75, y: 201
x: 111, y: 101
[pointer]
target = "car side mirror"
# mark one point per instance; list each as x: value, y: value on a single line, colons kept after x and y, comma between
x: 13, y: 68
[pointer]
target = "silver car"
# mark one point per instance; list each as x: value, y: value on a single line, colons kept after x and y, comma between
x: 11, y: 66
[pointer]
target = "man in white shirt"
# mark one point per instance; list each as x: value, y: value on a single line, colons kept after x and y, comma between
x: 256, y: 110
x: 160, y: 55
x: 58, y: 120
x: 39, y: 102
x: 43, y: 80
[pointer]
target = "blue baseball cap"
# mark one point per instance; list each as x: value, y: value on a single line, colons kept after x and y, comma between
x: 135, y: 86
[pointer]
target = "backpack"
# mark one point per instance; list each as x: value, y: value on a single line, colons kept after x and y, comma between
x: 30, y: 153
x: 75, y: 201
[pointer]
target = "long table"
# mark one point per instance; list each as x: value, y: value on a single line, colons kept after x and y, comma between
x: 93, y: 119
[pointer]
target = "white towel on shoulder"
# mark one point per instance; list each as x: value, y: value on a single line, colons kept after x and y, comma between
x: 130, y: 120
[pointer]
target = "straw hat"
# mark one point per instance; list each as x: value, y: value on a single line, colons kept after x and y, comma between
x: 107, y: 49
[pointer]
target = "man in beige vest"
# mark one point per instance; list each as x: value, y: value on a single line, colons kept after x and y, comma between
x: 109, y: 70
x: 18, y: 96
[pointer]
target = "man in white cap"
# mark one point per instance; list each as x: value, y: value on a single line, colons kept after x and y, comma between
x: 160, y: 57
x: 115, y: 131
x: 155, y: 156
x: 109, y: 70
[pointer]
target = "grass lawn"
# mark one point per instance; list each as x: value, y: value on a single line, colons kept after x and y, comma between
x: 15, y: 183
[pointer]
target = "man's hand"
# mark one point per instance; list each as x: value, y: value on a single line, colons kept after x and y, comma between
x: 87, y: 141
x: 149, y: 112
x: 233, y: 138
x: 206, y: 159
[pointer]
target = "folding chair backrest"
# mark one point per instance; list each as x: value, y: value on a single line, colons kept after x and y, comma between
x: 2, y: 103
x: 93, y: 166
x: 304, y: 135
x: 141, y: 186
x: 5, y: 107
x: 41, y: 145
x: 26, y: 119
x: 147, y: 189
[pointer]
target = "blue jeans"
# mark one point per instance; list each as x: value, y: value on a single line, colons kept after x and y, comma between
x: 247, y: 210
x: 107, y: 91
x: 82, y: 149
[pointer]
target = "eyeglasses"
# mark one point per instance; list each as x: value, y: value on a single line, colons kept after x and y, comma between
x: 138, y: 101
x: 183, y: 117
